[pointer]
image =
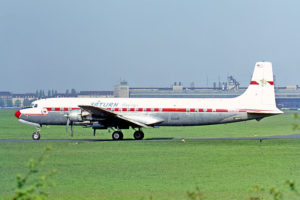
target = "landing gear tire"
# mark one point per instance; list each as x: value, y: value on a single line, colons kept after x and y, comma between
x: 117, y: 135
x: 138, y: 135
x: 36, y: 136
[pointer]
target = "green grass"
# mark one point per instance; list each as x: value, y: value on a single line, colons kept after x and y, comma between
x: 158, y: 169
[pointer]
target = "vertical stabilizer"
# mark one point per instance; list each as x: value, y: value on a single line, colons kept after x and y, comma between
x: 260, y: 94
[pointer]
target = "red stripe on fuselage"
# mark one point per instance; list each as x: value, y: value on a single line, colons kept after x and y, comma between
x: 158, y: 110
x: 221, y: 110
x: 174, y: 109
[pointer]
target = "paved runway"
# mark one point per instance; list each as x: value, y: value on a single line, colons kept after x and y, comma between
x: 293, y: 136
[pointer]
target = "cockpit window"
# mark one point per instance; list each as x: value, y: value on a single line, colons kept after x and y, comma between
x: 34, y: 105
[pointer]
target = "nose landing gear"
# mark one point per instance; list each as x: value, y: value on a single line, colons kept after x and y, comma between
x: 36, y: 135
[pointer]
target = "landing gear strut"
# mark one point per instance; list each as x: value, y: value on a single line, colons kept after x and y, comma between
x: 36, y: 135
x: 117, y: 135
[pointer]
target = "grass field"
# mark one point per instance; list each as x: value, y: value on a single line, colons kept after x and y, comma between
x: 156, y: 169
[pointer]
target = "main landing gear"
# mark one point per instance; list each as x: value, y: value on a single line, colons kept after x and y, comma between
x: 138, y: 135
x: 118, y: 135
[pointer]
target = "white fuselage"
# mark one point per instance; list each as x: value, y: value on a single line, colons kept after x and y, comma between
x: 172, y: 112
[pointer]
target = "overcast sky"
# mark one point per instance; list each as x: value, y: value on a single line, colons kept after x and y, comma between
x: 91, y: 45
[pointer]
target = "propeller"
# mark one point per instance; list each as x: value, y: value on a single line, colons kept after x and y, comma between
x: 69, y: 122
x: 74, y: 116
x: 72, y: 129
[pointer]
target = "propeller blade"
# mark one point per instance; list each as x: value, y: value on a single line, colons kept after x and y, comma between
x: 67, y: 125
x: 72, y: 129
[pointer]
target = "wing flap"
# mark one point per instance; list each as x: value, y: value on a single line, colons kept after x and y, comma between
x: 265, y: 112
x: 131, y: 121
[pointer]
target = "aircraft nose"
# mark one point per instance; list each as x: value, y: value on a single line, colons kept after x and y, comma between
x: 18, y: 114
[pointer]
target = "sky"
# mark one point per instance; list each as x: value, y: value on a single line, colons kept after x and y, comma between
x: 93, y: 44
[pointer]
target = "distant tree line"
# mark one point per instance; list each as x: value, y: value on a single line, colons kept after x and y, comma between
x: 53, y: 93
x: 6, y: 103
x: 18, y: 103
x: 39, y: 94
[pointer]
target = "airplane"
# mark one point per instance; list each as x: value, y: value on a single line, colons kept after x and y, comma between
x: 257, y: 102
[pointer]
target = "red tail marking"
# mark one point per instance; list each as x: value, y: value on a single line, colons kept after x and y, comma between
x: 254, y: 83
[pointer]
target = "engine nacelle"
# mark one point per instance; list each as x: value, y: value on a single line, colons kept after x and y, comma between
x: 77, y: 115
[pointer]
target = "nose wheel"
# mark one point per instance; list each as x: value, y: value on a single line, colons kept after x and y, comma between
x: 36, y: 135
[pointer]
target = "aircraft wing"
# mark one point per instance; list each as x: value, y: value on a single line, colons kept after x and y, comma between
x: 102, y: 112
